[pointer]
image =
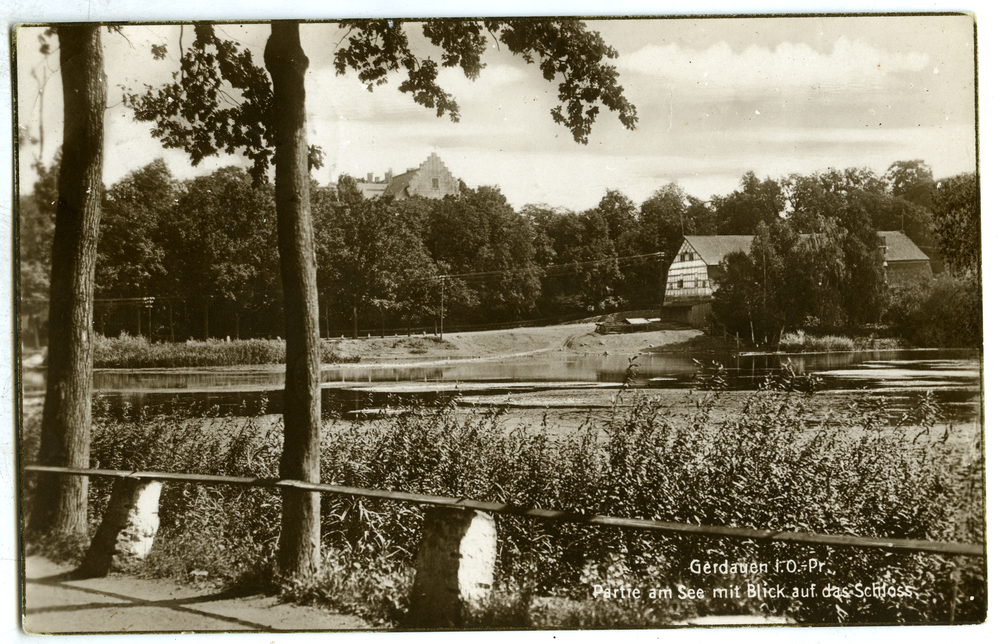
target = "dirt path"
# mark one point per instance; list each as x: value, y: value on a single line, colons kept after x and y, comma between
x: 121, y: 604
x: 510, y: 344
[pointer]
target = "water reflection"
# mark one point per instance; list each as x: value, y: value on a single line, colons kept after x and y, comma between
x: 900, y: 375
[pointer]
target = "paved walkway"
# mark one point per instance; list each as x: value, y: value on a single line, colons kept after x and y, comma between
x: 120, y: 604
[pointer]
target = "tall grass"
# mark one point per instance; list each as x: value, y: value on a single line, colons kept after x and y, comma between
x: 762, y: 467
x: 801, y: 341
x: 132, y: 352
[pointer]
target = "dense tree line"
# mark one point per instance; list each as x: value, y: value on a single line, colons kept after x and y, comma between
x: 817, y: 263
x: 205, y: 249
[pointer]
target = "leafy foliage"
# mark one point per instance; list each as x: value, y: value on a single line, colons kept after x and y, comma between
x: 189, y: 112
x: 589, y: 277
x: 130, y: 352
x: 200, y: 112
x: 36, y: 226
x: 755, y: 296
x: 957, y: 222
x: 947, y: 312
x: 743, y: 210
x: 778, y: 461
x: 480, y: 238
x: 131, y: 253
x: 369, y: 257
x: 221, y: 242
x: 912, y: 180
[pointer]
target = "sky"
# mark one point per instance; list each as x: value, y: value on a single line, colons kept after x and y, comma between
x: 716, y: 98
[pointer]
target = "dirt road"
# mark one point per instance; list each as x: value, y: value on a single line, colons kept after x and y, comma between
x: 121, y: 604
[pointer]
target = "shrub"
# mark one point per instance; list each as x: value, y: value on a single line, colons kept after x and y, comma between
x: 778, y: 464
x: 945, y: 312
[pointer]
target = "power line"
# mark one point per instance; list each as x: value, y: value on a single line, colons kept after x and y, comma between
x: 551, y: 270
x: 548, y: 270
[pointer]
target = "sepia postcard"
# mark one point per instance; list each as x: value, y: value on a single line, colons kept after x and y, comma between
x: 499, y: 323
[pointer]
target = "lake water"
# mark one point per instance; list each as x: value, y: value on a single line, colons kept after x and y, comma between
x: 954, y: 375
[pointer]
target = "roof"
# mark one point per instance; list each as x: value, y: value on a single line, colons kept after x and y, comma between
x: 713, y: 248
x: 369, y: 190
x: 400, y: 183
x: 900, y: 248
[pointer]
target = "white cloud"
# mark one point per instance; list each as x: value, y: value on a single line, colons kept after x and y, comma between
x: 851, y: 63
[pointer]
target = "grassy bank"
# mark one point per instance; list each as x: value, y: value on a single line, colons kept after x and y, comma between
x: 802, y: 342
x: 758, y: 467
x: 132, y: 352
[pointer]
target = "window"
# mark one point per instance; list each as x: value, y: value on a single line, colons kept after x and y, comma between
x: 680, y: 283
x: 434, y: 183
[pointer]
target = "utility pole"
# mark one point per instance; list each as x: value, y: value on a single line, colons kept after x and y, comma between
x: 442, y: 308
x: 663, y: 278
x: 148, y: 302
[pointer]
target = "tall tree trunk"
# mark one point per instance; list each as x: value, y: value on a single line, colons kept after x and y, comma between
x: 298, y: 545
x: 60, y: 504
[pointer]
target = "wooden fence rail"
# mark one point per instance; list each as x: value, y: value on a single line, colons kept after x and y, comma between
x: 805, y: 538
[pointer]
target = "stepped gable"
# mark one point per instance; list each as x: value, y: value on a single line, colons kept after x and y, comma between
x: 432, y: 180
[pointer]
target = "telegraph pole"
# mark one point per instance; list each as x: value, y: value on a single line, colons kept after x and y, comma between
x: 442, y: 308
x: 663, y: 278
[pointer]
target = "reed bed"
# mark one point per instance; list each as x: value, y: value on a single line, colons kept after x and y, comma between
x: 761, y: 467
x: 137, y: 352
x: 801, y: 341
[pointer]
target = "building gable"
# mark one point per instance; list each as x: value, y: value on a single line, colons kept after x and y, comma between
x: 433, y: 180
x: 713, y: 248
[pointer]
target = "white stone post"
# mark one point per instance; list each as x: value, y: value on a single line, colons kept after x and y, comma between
x: 127, y: 529
x: 455, y: 567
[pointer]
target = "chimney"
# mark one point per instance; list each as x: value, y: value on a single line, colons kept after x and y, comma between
x: 370, y: 177
x: 388, y: 175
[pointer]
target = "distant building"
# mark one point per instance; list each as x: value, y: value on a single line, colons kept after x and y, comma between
x: 904, y: 261
x: 694, y: 274
x: 432, y: 179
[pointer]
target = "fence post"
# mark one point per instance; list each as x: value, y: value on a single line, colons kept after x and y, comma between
x: 455, y: 566
x: 127, y: 529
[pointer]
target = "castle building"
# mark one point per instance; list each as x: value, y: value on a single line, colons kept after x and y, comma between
x: 431, y: 179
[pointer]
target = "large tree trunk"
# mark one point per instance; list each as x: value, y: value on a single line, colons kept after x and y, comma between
x: 60, y: 502
x: 298, y: 545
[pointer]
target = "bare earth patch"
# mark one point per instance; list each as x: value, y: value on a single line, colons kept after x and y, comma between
x: 511, y: 343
